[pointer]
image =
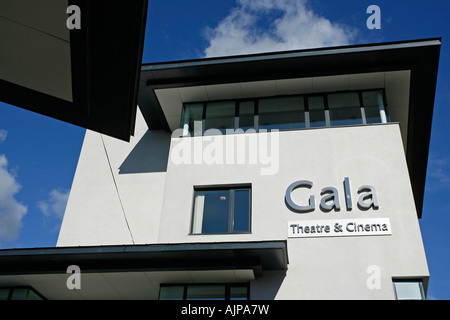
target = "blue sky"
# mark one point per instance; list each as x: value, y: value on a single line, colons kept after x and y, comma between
x: 38, y: 155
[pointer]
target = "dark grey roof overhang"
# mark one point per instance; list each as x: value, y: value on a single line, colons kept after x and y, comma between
x: 103, y: 67
x: 258, y: 256
x: 421, y: 57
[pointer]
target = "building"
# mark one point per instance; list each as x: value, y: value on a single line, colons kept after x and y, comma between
x: 64, y: 72
x: 286, y: 175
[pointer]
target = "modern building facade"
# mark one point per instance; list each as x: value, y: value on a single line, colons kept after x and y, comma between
x: 288, y: 175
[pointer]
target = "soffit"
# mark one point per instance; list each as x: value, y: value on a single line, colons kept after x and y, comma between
x: 136, y: 271
x: 396, y: 84
x: 36, y: 46
x: 120, y: 285
x: 88, y: 77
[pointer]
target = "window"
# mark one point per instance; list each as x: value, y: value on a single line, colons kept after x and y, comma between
x: 344, y: 109
x: 19, y: 293
x: 192, y: 119
x: 221, y: 210
x: 246, y: 115
x: 220, y: 115
x: 281, y: 113
x: 204, y: 292
x: 316, y: 112
x: 374, y: 107
x: 285, y: 112
x: 409, y: 290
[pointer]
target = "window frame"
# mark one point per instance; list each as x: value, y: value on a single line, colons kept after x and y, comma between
x: 255, y: 114
x: 336, y: 110
x: 227, y: 286
x: 230, y: 208
x: 305, y: 111
x: 28, y: 288
x: 296, y: 125
x: 404, y: 280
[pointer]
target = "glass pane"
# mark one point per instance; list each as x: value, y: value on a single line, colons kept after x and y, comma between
x: 241, y: 210
x: 372, y: 114
x: 344, y: 109
x: 220, y: 115
x: 372, y: 101
x: 192, y: 112
x: 171, y: 293
x: 199, y: 205
x: 316, y: 107
x: 246, y: 115
x: 281, y: 113
x: 216, y: 211
x: 408, y: 290
x: 206, y: 292
x: 4, y: 293
x: 33, y: 296
x: 239, y: 293
x: 19, y: 294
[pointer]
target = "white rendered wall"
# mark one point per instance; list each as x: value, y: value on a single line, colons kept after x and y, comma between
x: 319, y: 268
x: 125, y: 195
x: 117, y: 191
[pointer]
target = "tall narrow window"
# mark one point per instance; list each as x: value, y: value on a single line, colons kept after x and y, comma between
x: 246, y: 115
x: 316, y: 111
x: 4, y: 293
x: 374, y: 107
x: 191, y: 120
x: 224, y: 210
x: 344, y: 109
x: 281, y: 113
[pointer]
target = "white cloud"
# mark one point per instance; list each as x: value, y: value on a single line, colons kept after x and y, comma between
x: 3, y: 134
x: 11, y: 210
x: 287, y: 25
x: 56, y: 203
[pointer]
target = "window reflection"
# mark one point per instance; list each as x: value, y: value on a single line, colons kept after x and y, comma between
x: 205, y: 292
x: 281, y: 113
x: 374, y: 107
x: 285, y: 113
x: 246, y: 115
x: 409, y: 290
x: 192, y: 112
x: 220, y: 115
x: 221, y: 211
x: 344, y: 109
x: 316, y: 108
x: 233, y: 291
x: 19, y: 293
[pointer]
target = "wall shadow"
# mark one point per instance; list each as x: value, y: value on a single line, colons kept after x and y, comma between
x: 267, y: 287
x: 150, y: 154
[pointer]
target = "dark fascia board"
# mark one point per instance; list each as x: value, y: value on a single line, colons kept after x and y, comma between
x: 420, y: 56
x: 106, y: 56
x: 285, y: 64
x: 259, y: 256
